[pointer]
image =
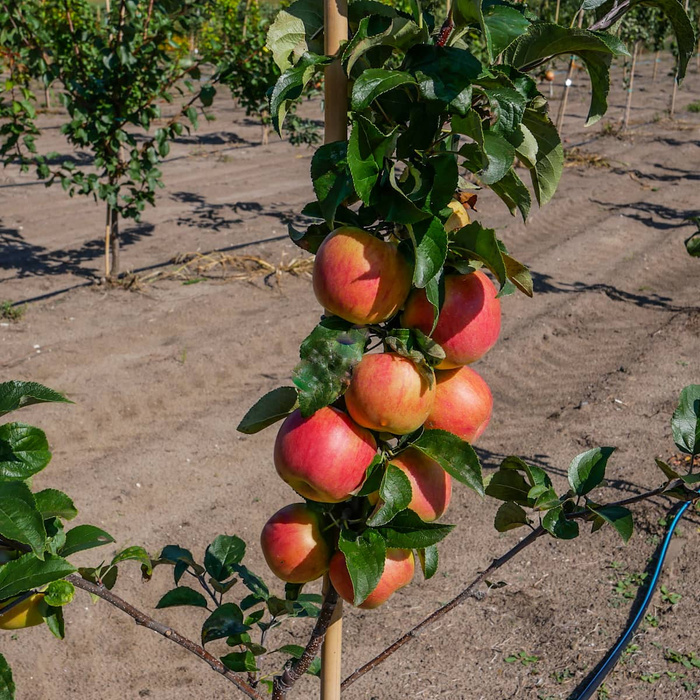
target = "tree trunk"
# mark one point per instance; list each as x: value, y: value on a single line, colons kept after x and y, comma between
x: 656, y: 66
x: 630, y: 88
x: 111, y: 243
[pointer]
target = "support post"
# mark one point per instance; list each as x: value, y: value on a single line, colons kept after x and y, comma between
x: 336, y: 129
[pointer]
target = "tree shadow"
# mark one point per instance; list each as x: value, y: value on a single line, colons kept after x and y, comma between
x: 671, y: 175
x: 656, y: 216
x: 545, y: 284
x: 217, y: 217
x: 26, y: 259
x: 218, y: 138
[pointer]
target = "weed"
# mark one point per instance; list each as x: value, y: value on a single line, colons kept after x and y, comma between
x: 694, y: 106
x: 629, y: 652
x: 651, y: 677
x: 689, y: 660
x: 603, y: 692
x: 669, y: 597
x: 651, y: 620
x: 627, y: 586
x: 562, y: 676
x: 9, y: 312
x: 522, y: 657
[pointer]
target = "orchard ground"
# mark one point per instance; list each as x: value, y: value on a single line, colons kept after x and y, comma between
x: 161, y: 378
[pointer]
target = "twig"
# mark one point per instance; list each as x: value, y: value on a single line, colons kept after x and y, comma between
x: 283, y: 684
x: 167, y: 632
x: 468, y: 592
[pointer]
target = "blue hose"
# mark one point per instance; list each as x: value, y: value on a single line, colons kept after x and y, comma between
x: 614, y: 654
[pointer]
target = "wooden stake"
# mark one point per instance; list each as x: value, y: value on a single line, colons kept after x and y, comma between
x: 656, y: 66
x: 331, y: 657
x: 630, y: 89
x: 336, y: 129
x: 336, y: 84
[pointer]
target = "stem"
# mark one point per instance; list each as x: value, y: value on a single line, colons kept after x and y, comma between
x: 283, y: 684
x: 165, y: 631
x: 468, y: 592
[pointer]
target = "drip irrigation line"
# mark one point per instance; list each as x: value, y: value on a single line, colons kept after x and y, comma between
x: 615, y: 652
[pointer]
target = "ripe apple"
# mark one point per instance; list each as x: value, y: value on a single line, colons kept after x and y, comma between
x: 398, y: 572
x: 323, y: 457
x: 549, y: 76
x: 430, y: 483
x: 463, y: 403
x: 293, y: 544
x: 359, y: 277
x: 469, y: 322
x: 387, y: 393
x: 24, y: 614
x: 459, y: 217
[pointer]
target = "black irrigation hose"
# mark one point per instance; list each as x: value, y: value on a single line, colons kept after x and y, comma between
x: 614, y: 654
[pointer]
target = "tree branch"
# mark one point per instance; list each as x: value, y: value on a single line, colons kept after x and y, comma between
x: 167, y: 632
x: 283, y: 684
x: 468, y: 592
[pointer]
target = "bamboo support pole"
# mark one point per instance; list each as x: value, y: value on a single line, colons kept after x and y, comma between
x: 630, y: 88
x: 567, y: 84
x: 336, y: 129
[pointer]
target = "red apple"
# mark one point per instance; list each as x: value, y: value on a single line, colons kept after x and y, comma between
x: 463, y: 403
x: 293, y: 544
x: 430, y: 483
x: 398, y: 572
x: 387, y: 393
x: 323, y: 457
x: 360, y: 277
x: 469, y: 322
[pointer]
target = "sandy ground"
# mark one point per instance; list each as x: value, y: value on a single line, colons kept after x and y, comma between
x: 160, y: 379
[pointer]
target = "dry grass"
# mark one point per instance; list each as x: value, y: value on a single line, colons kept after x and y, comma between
x: 576, y: 157
x: 190, y: 268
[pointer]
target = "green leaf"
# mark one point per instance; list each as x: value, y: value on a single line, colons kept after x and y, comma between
x: 367, y: 149
x: 374, y: 82
x: 290, y: 85
x: 445, y: 74
x: 408, y: 531
x: 182, y: 595
x: 503, y: 25
x: 510, y: 516
x: 331, y: 178
x: 24, y: 451
x: 20, y: 520
x: 365, y: 555
x: 52, y: 503
x: 428, y: 559
x: 547, y: 162
x: 558, y: 526
x: 509, y: 485
x: 511, y: 189
x: 297, y: 29
x: 668, y: 471
x: 240, y: 661
x: 55, y: 622
x: 59, y: 593
x: 328, y: 355
x: 14, y: 395
x: 617, y: 516
x: 252, y: 582
x: 222, y: 555
x: 395, y: 492
x: 595, y: 49
x: 7, y: 685
x: 454, y: 455
x: 474, y: 242
x: 84, y: 537
x: 430, y: 250
x: 225, y: 621
x: 685, y: 423
x: 587, y: 470
x: 135, y: 553
x: 29, y: 572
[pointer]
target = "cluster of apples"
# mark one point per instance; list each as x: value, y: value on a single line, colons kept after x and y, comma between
x: 324, y: 457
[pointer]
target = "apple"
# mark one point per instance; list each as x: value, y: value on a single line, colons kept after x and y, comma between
x: 430, y: 483
x: 323, y: 457
x: 293, y: 544
x: 469, y: 322
x: 458, y: 218
x: 387, y: 393
x: 463, y: 403
x: 27, y: 613
x: 549, y: 75
x: 398, y: 572
x: 360, y: 277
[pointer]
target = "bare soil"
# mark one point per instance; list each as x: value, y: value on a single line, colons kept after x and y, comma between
x: 161, y: 377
